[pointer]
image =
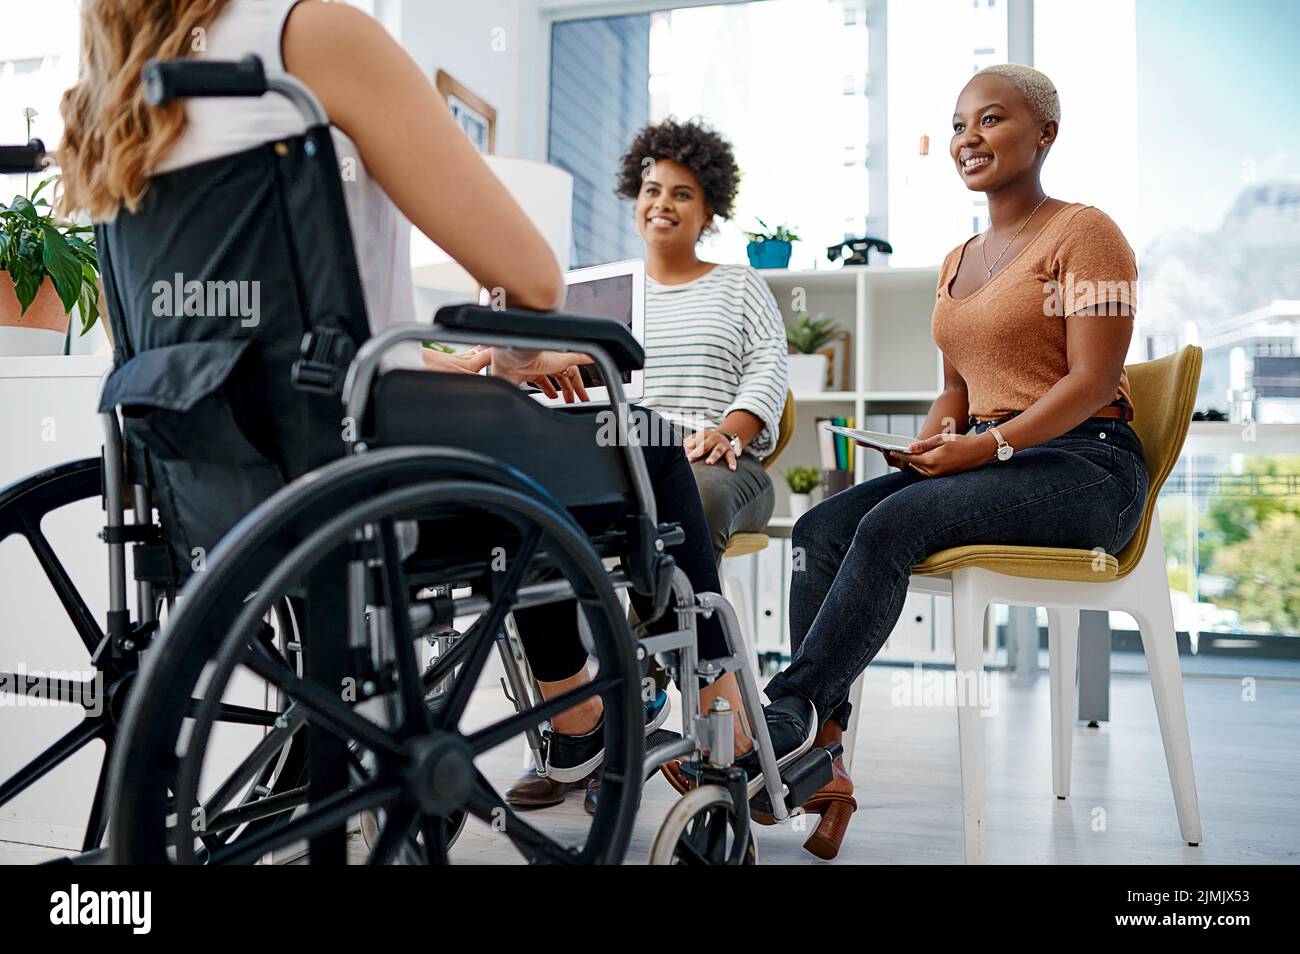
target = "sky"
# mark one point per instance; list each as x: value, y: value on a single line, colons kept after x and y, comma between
x: 1217, y: 85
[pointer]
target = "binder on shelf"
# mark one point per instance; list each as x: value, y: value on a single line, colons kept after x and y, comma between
x: 769, y: 598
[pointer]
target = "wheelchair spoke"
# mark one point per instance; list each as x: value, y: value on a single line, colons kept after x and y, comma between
x: 687, y: 852
x: 415, y: 716
x: 519, y: 723
x: 494, y: 619
x: 435, y: 831
x: 82, y: 618
x: 446, y: 663
x: 257, y: 809
x: 54, y: 756
x: 398, y: 822
x: 487, y: 806
x: 239, y: 715
x: 320, y: 817
x: 267, y: 749
x: 492, y: 623
x: 97, y: 824
x: 322, y: 707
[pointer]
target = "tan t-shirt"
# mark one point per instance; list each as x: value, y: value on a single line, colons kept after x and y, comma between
x: 1007, y: 338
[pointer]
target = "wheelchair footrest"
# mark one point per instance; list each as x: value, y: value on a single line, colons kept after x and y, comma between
x: 806, y: 777
x: 656, y: 740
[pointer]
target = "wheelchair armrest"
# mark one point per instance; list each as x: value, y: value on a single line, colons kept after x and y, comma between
x: 613, y: 336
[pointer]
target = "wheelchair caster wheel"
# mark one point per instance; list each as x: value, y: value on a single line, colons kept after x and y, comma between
x: 414, y: 854
x: 703, y: 829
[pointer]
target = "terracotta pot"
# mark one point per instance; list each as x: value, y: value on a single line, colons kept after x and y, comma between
x: 41, y: 330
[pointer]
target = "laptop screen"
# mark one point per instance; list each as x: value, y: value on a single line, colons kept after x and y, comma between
x: 608, y: 297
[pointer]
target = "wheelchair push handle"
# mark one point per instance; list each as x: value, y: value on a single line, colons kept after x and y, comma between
x: 29, y: 158
x: 167, y: 80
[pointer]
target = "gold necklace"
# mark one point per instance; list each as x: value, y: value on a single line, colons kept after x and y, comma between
x: 989, y: 268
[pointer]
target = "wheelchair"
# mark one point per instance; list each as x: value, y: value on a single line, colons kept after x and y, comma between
x: 361, y: 521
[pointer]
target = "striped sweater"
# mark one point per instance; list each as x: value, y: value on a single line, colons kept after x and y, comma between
x: 716, y: 345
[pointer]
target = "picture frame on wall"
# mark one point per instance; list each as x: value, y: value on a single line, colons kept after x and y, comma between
x: 472, y: 113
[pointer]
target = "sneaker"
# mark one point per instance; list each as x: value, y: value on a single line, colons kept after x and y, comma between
x: 571, y: 758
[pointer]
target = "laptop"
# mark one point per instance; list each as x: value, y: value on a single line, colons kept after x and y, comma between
x: 616, y: 291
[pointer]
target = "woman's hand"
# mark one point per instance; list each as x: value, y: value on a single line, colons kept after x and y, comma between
x: 466, y: 362
x: 948, y: 453
x: 892, y: 458
x: 710, y: 445
x: 544, y: 370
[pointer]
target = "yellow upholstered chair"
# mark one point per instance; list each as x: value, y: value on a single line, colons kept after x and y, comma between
x: 735, y: 588
x: 1066, y: 581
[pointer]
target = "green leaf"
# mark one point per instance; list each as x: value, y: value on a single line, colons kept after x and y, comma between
x: 23, y: 205
x: 40, y: 186
x: 26, y: 285
x: 62, y: 265
x: 88, y: 301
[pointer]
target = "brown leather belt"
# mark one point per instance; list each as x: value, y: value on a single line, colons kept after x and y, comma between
x: 1113, y: 412
x: 1116, y: 412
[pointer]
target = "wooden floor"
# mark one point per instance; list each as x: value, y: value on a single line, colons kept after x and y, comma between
x: 1121, y: 811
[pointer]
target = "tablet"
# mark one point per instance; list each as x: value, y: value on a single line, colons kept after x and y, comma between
x: 884, y: 442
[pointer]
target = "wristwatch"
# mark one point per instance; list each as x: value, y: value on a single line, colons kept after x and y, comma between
x: 1005, y: 450
x: 733, y: 440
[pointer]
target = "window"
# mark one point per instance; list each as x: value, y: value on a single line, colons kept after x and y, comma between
x: 600, y: 97
x: 736, y: 66
x: 934, y: 49
x: 1216, y: 239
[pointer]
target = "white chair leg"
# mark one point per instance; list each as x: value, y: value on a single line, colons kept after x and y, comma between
x: 1155, y: 619
x: 851, y: 730
x: 737, y: 594
x: 969, y: 600
x: 1063, y: 651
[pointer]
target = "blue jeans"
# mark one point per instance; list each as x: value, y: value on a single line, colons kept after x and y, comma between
x: 1085, y: 489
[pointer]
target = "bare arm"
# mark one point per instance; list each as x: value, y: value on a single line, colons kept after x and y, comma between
x: 951, y: 409
x: 411, y: 145
x: 1095, y: 347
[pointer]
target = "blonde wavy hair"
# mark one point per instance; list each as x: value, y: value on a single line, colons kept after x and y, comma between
x: 112, y: 138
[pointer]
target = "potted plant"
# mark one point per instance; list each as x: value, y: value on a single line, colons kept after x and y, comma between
x: 47, y: 268
x: 771, y: 247
x: 802, y: 481
x: 807, y: 335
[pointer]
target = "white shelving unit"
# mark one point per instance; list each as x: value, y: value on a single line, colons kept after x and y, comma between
x: 894, y: 368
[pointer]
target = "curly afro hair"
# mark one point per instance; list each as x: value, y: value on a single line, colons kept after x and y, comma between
x: 692, y: 144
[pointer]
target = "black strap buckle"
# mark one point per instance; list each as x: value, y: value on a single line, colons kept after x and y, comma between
x: 132, y: 533
x: 325, y: 354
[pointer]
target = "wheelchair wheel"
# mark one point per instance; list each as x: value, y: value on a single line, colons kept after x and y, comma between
x: 417, y: 768
x: 703, y: 829
x: 23, y: 509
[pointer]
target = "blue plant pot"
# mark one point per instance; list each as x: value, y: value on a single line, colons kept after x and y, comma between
x: 769, y: 254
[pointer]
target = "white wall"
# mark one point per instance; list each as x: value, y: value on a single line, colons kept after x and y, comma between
x: 485, y: 45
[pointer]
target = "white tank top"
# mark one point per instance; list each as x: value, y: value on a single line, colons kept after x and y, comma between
x: 221, y: 126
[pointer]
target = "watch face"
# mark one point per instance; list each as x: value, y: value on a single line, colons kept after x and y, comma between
x: 1005, y: 452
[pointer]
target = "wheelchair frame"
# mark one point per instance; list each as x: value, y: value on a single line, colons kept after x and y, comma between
x: 702, y: 732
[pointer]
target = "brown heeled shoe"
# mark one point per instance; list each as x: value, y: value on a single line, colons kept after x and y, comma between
x: 834, y: 802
